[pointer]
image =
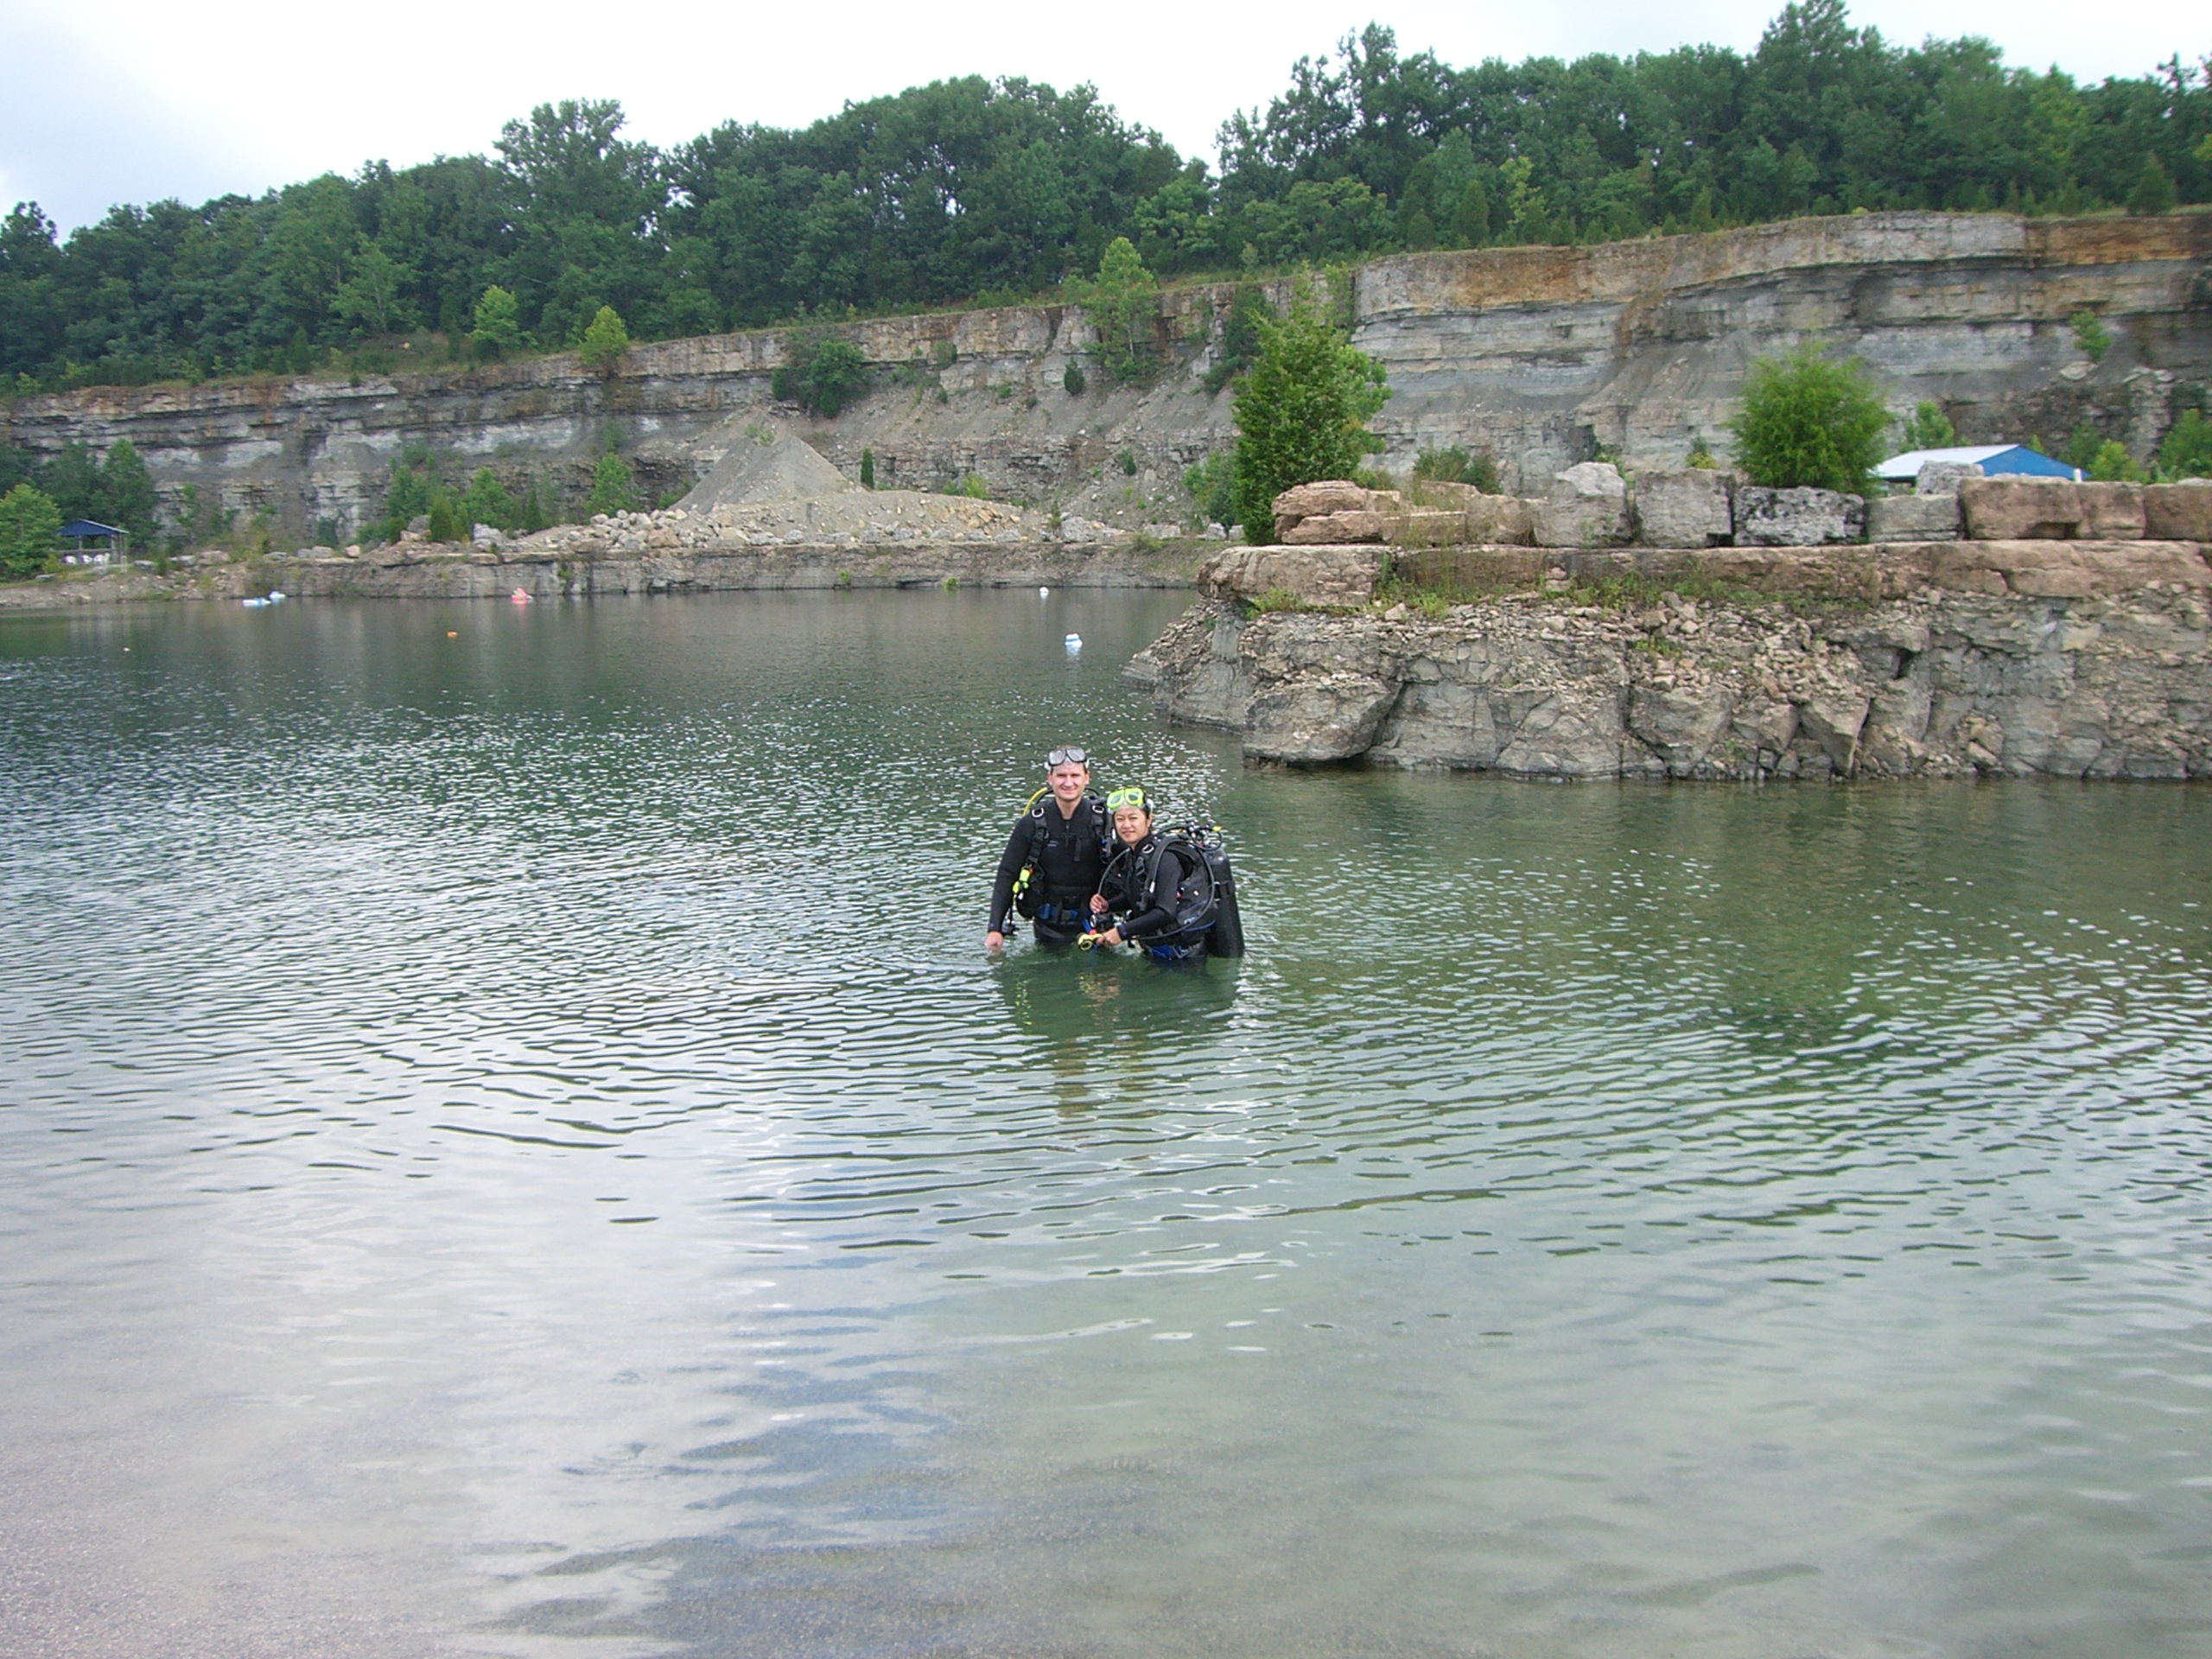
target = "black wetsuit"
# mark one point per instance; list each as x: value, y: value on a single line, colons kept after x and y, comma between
x: 1145, y: 885
x: 1068, y: 857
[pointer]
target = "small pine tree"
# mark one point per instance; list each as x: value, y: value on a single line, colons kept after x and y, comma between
x: 2112, y: 464
x: 2187, y: 451
x: 1073, y: 378
x: 1930, y: 427
x: 867, y: 469
x: 488, y: 502
x: 1302, y: 412
x: 2154, y: 189
x: 447, y: 523
x: 1809, y: 421
x: 613, y: 486
x: 605, y: 342
x: 533, y: 509
x: 499, y: 323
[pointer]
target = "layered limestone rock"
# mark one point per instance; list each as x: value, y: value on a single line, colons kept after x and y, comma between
x: 2032, y: 657
x: 1587, y: 507
x: 1694, y: 507
x: 1798, y: 517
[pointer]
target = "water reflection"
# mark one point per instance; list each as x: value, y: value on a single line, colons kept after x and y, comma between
x: 510, y: 1144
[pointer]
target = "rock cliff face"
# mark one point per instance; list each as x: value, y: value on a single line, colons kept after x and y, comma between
x: 1538, y: 355
x: 2077, y: 659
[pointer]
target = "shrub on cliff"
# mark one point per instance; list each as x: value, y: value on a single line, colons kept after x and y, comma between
x: 487, y: 501
x: 613, y: 487
x: 1455, y: 465
x: 1302, y: 412
x: 1212, y: 484
x: 605, y: 341
x: 1122, y: 304
x: 2112, y: 464
x: 2187, y: 452
x: 1930, y: 427
x: 823, y: 374
x: 29, y: 521
x: 499, y: 323
x: 1808, y: 421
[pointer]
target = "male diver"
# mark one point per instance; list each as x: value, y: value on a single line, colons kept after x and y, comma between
x: 1053, y: 856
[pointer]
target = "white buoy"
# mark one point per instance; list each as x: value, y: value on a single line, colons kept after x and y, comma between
x: 1042, y: 592
x: 1075, y: 644
x: 253, y: 603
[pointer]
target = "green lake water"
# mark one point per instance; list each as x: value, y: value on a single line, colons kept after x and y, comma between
x: 511, y: 1144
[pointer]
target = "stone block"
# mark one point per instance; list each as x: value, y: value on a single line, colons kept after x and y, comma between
x: 1833, y: 720
x: 1682, y: 723
x: 2111, y: 512
x: 1327, y: 496
x: 1326, y: 529
x: 1691, y: 508
x: 1313, y: 721
x: 2178, y: 512
x: 2020, y: 509
x: 1799, y: 517
x: 1331, y: 577
x: 1587, y: 507
x: 1913, y: 518
x: 1502, y: 521
x: 1944, y: 477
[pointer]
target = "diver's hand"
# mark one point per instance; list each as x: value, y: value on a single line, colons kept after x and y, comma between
x: 1098, y: 905
x: 995, y: 941
x: 1111, y: 936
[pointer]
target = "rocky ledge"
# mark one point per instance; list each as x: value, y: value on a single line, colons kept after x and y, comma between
x: 2075, y: 660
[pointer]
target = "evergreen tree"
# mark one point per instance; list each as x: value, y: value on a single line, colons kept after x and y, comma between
x: 867, y: 469
x: 2154, y: 189
x: 1301, y: 412
x: 1123, y: 305
x: 1930, y: 427
x: 499, y: 323
x: 487, y: 501
x: 613, y: 487
x: 605, y: 341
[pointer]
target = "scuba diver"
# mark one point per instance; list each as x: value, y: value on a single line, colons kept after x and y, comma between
x: 1173, y: 893
x: 1053, y: 859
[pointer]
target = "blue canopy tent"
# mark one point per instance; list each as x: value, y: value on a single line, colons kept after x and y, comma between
x: 82, y: 531
x: 1993, y: 458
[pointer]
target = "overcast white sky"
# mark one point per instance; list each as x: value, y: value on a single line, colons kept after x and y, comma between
x: 132, y: 101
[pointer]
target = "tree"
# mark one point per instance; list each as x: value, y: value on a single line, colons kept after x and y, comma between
x: 533, y: 510
x: 2187, y: 451
x: 406, y: 500
x: 2154, y: 189
x: 29, y: 521
x: 499, y: 323
x: 613, y: 487
x: 1302, y: 412
x: 2112, y: 464
x: 822, y: 374
x: 1073, y: 380
x: 1808, y: 421
x: 867, y: 469
x: 605, y: 339
x: 487, y: 501
x: 448, y: 522
x: 1122, y: 304
x: 1930, y: 427
x: 373, y: 296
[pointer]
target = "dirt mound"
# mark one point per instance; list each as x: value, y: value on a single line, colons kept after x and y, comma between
x: 783, y: 469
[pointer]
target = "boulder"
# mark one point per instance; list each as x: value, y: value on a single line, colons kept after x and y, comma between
x: 1313, y: 720
x: 1329, y: 495
x: 1691, y: 508
x: 1913, y: 518
x: 1944, y: 477
x: 1587, y: 507
x: 2020, y: 509
x: 2111, y: 512
x: 1320, y: 529
x: 1833, y: 720
x: 1502, y: 521
x: 2178, y: 512
x: 1329, y: 577
x: 1682, y: 723
x: 1798, y: 517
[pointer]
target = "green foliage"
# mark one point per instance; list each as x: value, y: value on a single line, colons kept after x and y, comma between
x: 613, y: 487
x: 29, y: 521
x: 2112, y: 464
x: 822, y: 374
x: 487, y: 501
x: 1301, y: 412
x: 407, y: 499
x: 867, y: 469
x: 1276, y: 598
x: 1454, y: 465
x: 447, y: 521
x: 2082, y: 445
x: 1240, y: 335
x: 1701, y: 456
x: 605, y: 341
x: 1073, y: 379
x: 1809, y: 421
x: 2187, y: 451
x: 1930, y: 427
x: 534, y: 517
x: 970, y: 484
x: 499, y: 323
x: 2089, y: 334
x: 1127, y: 460
x: 2154, y: 190
x: 1213, y: 484
x: 1123, y: 306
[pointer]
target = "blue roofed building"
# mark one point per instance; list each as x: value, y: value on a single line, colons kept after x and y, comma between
x: 1995, y: 460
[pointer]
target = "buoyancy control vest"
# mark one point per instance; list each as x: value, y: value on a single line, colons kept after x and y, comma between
x: 1066, y: 853
x: 1204, y: 903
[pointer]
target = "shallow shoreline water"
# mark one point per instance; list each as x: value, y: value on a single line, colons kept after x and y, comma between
x: 510, y: 1145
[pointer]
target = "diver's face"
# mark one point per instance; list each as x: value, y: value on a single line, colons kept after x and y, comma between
x: 1068, y: 783
x: 1131, y: 824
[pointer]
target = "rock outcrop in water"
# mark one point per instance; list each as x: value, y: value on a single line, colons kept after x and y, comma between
x: 2077, y: 659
